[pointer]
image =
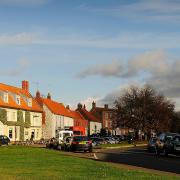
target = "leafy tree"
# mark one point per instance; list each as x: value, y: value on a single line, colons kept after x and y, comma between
x: 143, y: 109
x: 103, y: 132
x: 175, y: 125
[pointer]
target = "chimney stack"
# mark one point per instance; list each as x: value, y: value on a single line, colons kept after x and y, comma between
x: 79, y: 106
x: 67, y: 107
x: 38, y: 95
x: 106, y: 106
x: 49, y: 96
x: 93, y: 105
x: 25, y: 85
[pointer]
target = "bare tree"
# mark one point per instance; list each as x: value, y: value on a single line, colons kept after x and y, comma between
x: 143, y: 109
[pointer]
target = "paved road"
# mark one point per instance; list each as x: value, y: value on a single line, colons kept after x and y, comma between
x: 141, y: 158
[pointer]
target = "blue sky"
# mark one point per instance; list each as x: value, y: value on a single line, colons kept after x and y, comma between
x: 84, y: 50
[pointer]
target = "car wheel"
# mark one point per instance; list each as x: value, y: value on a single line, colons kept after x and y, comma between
x: 157, y: 151
x: 90, y: 150
x: 165, y: 153
x: 59, y: 147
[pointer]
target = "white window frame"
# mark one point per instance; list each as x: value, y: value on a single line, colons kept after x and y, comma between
x: 29, y: 102
x: 6, y: 97
x: 18, y: 100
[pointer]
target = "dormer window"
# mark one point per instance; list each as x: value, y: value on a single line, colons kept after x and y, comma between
x: 5, y: 97
x: 18, y: 100
x: 29, y: 101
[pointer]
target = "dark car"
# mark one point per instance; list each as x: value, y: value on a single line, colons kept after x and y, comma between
x: 52, y: 143
x: 97, y: 141
x: 152, y: 144
x: 79, y: 143
x: 166, y: 142
x: 172, y: 146
x: 4, y: 140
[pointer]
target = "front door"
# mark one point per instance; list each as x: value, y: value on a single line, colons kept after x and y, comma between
x: 32, y: 135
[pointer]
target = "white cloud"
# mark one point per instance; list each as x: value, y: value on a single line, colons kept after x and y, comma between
x: 22, y: 64
x: 154, y: 10
x: 88, y: 102
x: 16, y: 39
x: 123, y: 40
x: 111, y: 69
x: 163, y: 74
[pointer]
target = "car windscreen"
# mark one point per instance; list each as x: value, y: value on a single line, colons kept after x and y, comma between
x: 169, y: 137
x: 153, y: 140
x: 81, y: 138
x: 66, y: 134
x: 177, y: 139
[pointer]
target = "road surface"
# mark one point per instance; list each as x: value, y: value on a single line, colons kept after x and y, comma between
x: 141, y: 158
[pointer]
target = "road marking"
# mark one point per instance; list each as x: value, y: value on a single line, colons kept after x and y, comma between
x: 95, y: 157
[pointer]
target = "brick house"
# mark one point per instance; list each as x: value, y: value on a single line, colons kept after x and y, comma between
x: 80, y: 124
x: 94, y: 124
x: 105, y: 114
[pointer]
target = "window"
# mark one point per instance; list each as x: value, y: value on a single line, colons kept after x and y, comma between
x: 18, y: 100
x: 24, y: 116
x: 5, y: 97
x: 110, y: 115
x: 10, y: 133
x: 8, y: 116
x: 29, y: 101
x: 13, y: 116
x: 106, y: 115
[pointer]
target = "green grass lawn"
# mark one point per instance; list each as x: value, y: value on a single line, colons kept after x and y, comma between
x: 18, y: 162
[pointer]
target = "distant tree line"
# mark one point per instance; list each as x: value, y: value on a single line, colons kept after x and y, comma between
x: 143, y: 109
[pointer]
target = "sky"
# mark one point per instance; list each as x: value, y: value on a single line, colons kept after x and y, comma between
x: 85, y: 50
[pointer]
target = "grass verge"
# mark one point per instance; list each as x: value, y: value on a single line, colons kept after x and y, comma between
x: 18, y: 162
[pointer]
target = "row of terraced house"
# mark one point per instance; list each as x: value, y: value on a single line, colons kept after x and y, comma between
x: 24, y: 117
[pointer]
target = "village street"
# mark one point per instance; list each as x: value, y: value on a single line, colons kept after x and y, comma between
x: 134, y: 158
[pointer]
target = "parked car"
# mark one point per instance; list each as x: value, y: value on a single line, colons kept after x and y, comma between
x: 97, y: 141
x: 110, y: 140
x: 66, y: 145
x: 52, y: 143
x: 79, y: 143
x: 167, y: 143
x: 4, y: 140
x: 152, y: 144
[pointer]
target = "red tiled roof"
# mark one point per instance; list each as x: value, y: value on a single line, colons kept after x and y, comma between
x: 79, y: 119
x: 56, y: 108
x: 88, y: 115
x: 77, y: 115
x: 22, y: 93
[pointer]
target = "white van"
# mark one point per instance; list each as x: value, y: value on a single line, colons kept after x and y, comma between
x: 60, y: 135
